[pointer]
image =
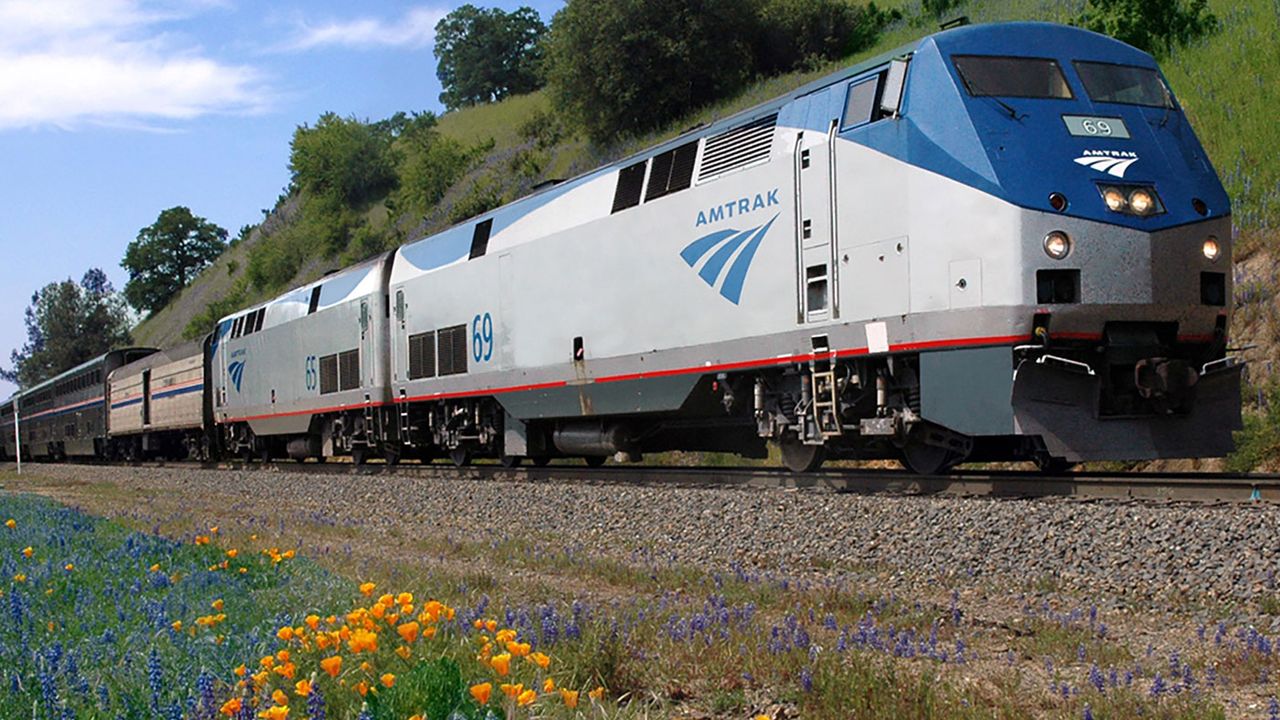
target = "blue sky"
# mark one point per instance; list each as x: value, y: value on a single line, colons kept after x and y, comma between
x: 114, y: 110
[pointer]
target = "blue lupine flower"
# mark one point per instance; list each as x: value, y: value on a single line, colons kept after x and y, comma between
x: 315, y: 704
x: 1096, y: 680
x: 1157, y: 686
x: 806, y: 679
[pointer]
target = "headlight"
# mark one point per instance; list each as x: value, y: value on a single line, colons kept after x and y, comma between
x: 1141, y: 202
x: 1057, y: 245
x: 1114, y: 199
x: 1211, y: 250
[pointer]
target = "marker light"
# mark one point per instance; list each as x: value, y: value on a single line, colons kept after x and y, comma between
x: 1114, y: 199
x: 1210, y: 249
x: 1141, y: 202
x: 1057, y: 245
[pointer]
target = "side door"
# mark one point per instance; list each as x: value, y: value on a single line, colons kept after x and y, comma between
x: 817, y: 272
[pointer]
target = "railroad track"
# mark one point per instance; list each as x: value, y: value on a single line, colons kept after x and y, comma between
x: 1182, y: 487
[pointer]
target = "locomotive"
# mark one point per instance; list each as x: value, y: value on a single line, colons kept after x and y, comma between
x: 1001, y: 242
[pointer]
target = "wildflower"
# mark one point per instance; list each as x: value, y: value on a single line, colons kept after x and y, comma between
x: 518, y: 649
x: 540, y: 659
x: 217, y: 604
x: 362, y: 687
x: 288, y: 554
x: 548, y: 685
x: 366, y: 589
x: 501, y: 663
x: 478, y: 624
x: 505, y: 636
x: 280, y: 697
x: 408, y: 631
x: 526, y: 698
x: 404, y: 598
x: 763, y: 717
x: 363, y: 641
x: 285, y: 633
x: 313, y: 622
x: 11, y: 523
x: 569, y: 697
x: 491, y: 625
x: 267, y: 661
x: 404, y: 652
x: 597, y: 694
x: 213, y: 530
x: 378, y: 610
x: 332, y: 665
x: 20, y: 577
x: 302, y: 687
x: 231, y: 707
x: 69, y: 567
x: 176, y: 625
x: 286, y: 670
x: 232, y: 553
x: 202, y: 539
x: 511, y: 691
x: 279, y: 712
x: 387, y: 679
x: 481, y: 692
x: 28, y: 551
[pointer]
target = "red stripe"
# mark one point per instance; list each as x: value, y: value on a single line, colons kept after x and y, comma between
x: 699, y: 369
x: 1195, y: 338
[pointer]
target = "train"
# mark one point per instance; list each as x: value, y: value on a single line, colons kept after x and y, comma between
x: 1001, y: 242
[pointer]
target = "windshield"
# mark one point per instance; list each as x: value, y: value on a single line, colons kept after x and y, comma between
x: 985, y: 75
x: 1124, y: 84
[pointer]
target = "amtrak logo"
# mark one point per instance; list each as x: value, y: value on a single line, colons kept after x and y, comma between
x: 719, y: 248
x: 1111, y: 162
x: 236, y: 371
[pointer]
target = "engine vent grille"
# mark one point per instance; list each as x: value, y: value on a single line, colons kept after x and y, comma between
x: 452, y: 350
x: 422, y: 355
x: 738, y: 147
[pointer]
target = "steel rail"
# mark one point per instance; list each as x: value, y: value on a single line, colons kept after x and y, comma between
x: 1173, y: 487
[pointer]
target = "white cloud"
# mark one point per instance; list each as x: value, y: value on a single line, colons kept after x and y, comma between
x: 416, y: 29
x: 72, y: 62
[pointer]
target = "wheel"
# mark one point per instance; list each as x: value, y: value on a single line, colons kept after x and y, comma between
x: 246, y: 454
x: 391, y: 456
x: 359, y: 455
x: 1049, y: 465
x: 800, y: 458
x: 595, y: 461
x: 540, y: 460
x: 265, y: 454
x: 460, y: 457
x: 510, y: 461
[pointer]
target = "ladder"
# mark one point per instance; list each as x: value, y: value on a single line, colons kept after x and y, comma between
x: 826, y: 400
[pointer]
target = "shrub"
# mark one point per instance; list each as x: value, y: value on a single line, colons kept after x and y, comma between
x: 1155, y: 27
x: 342, y: 158
x: 204, y: 322
x: 1258, y: 443
x: 428, y: 165
x: 484, y: 195
x: 795, y: 33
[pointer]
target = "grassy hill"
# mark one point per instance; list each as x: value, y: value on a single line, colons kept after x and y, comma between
x: 1226, y: 82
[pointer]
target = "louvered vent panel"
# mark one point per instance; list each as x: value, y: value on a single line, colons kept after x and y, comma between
x: 738, y: 147
x: 422, y: 355
x: 630, y: 184
x: 452, y: 351
x: 349, y: 370
x: 328, y: 374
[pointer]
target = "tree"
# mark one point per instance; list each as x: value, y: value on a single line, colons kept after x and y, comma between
x: 167, y: 254
x: 626, y: 66
x: 1155, y: 26
x: 795, y: 32
x: 342, y: 159
x: 68, y: 324
x: 486, y: 54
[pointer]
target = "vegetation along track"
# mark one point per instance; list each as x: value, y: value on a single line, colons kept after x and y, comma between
x: 1183, y: 486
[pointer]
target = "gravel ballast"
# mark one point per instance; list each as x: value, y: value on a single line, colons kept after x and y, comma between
x: 1143, y: 550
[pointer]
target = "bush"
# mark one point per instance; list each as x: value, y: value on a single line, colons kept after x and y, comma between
x: 203, y: 323
x: 428, y: 165
x: 626, y: 66
x: 343, y: 159
x: 796, y: 33
x: 1258, y: 444
x: 1155, y: 27
x: 484, y: 195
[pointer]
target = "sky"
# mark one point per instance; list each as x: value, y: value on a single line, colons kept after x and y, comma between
x: 113, y: 110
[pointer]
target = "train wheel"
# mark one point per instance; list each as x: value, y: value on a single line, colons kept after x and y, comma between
x: 595, y: 461
x: 1053, y: 465
x: 359, y: 455
x: 800, y: 458
x: 510, y: 461
x: 391, y: 456
x: 460, y: 457
x: 540, y: 460
x: 246, y: 454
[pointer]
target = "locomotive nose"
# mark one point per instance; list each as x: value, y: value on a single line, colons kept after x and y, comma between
x: 1168, y: 383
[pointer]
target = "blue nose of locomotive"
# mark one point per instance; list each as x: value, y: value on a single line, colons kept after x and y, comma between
x: 1058, y: 119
